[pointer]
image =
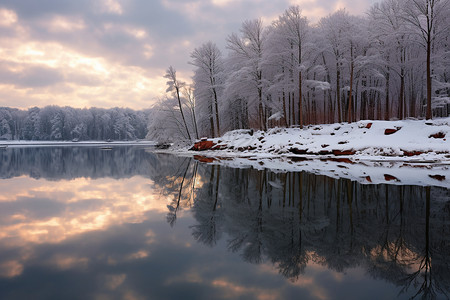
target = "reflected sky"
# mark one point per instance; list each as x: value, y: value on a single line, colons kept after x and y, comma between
x: 110, y: 237
x: 40, y: 211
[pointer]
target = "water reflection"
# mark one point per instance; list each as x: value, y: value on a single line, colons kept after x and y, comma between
x: 131, y: 224
x: 397, y: 233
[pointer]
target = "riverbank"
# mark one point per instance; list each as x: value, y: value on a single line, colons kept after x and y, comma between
x: 393, y: 152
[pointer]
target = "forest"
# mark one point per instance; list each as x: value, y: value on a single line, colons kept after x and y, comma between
x: 390, y: 63
x: 67, y: 123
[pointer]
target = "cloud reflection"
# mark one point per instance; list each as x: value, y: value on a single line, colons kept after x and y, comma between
x: 49, y: 212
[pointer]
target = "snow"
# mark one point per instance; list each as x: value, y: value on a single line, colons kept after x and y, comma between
x: 377, y: 158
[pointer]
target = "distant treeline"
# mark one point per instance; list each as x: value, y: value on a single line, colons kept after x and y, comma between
x: 67, y: 123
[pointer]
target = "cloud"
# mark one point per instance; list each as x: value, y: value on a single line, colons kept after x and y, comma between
x: 30, y: 77
x: 115, y: 52
x: 7, y: 17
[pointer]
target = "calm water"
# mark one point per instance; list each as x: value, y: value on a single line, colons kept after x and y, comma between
x: 85, y: 223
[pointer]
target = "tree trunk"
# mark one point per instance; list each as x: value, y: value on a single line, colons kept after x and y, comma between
x: 350, y: 96
x: 386, y: 112
x: 429, y: 116
x: 338, y: 92
x: 300, y: 108
x: 182, y: 114
x: 217, y: 111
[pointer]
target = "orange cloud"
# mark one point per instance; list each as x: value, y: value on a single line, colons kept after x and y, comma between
x: 93, y: 205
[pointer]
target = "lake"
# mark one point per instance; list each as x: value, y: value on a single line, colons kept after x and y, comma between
x: 128, y: 223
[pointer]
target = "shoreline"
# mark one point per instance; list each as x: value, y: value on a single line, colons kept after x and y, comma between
x: 415, y: 152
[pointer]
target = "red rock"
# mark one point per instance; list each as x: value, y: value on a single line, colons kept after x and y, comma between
x: 411, y: 153
x: 368, y: 125
x: 389, y: 131
x: 439, y: 135
x: 368, y: 179
x: 344, y: 152
x: 203, y: 159
x: 388, y: 177
x: 203, y: 145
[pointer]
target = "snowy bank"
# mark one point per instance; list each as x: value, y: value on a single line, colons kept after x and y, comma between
x: 394, y: 152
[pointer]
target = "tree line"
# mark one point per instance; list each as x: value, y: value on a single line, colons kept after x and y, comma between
x: 391, y: 63
x: 67, y: 123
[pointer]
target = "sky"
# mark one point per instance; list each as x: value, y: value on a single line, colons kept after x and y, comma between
x: 114, y: 53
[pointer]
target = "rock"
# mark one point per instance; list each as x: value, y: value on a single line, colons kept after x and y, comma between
x: 438, y: 177
x: 298, y: 151
x: 439, y: 135
x: 203, y: 145
x: 325, y: 152
x: 344, y: 152
x: 411, y: 153
x: 388, y: 177
x: 369, y: 125
x: 390, y: 131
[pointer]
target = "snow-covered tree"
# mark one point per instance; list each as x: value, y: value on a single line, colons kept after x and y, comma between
x: 245, y: 77
x: 208, y: 83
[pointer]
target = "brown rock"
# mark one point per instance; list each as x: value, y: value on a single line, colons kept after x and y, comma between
x: 439, y: 135
x: 325, y: 152
x: 388, y: 177
x: 203, y: 145
x: 411, y: 153
x: 298, y: 151
x: 389, y: 131
x: 368, y: 125
x: 344, y: 152
x: 438, y: 177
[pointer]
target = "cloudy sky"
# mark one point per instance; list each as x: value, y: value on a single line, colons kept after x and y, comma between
x: 108, y: 53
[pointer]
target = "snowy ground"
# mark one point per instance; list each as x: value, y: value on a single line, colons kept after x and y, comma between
x: 417, y: 152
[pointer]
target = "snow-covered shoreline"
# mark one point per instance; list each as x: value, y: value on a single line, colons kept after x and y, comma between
x: 370, y: 152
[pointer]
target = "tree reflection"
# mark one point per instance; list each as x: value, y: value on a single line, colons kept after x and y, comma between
x: 397, y: 233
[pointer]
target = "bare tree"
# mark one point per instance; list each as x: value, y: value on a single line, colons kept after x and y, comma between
x: 189, y: 94
x: 175, y: 87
